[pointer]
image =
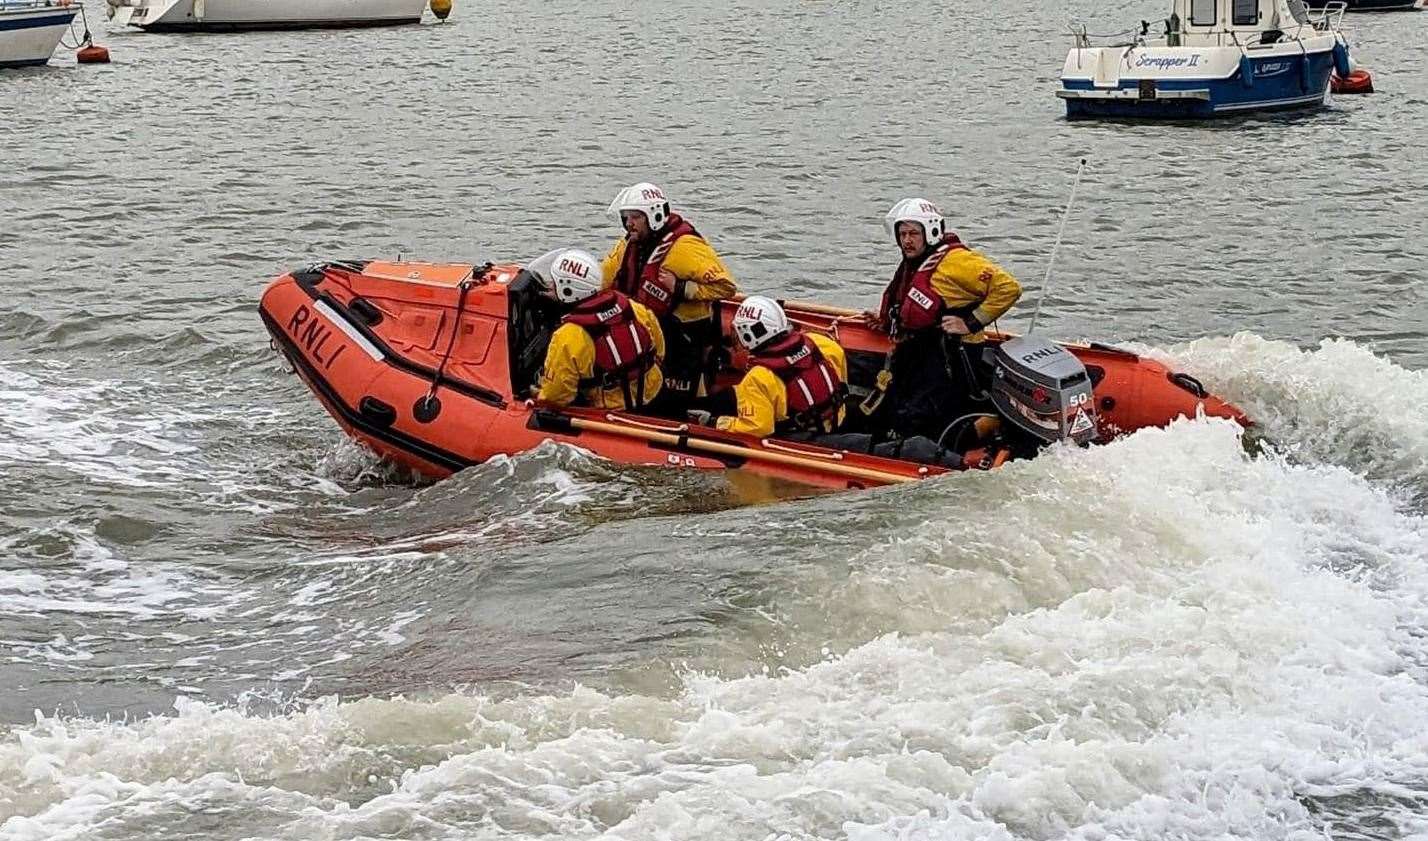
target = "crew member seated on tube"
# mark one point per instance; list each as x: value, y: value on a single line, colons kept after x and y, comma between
x: 606, y: 352
x: 663, y: 263
x: 795, y: 388
x: 941, y: 297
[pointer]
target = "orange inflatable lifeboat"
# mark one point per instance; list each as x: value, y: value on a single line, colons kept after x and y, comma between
x: 432, y: 367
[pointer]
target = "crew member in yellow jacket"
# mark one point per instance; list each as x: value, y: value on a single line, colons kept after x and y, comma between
x: 795, y: 381
x: 795, y: 387
x: 941, y: 298
x: 663, y: 263
x: 607, y: 350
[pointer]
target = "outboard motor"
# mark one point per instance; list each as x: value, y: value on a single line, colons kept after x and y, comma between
x: 1043, y: 391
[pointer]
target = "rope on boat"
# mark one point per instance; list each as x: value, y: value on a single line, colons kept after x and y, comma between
x: 428, y: 406
x: 81, y: 42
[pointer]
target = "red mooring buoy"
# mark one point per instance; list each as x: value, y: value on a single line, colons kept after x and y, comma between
x: 1358, y: 81
x: 92, y: 54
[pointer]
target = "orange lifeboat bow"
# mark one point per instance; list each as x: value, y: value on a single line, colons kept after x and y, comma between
x: 431, y: 365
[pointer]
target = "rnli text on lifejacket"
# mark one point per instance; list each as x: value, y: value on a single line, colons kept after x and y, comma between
x: 313, y: 336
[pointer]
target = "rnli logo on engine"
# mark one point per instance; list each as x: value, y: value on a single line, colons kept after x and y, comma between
x: 1042, y: 353
x: 918, y: 297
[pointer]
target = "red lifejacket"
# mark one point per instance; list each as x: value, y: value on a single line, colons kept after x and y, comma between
x: 624, y: 348
x: 815, y: 391
x: 910, y: 303
x: 642, y: 282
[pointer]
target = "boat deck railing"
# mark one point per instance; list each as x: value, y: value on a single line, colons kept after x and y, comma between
x: 1084, y: 39
x: 1329, y: 18
x: 28, y: 5
x: 1320, y: 21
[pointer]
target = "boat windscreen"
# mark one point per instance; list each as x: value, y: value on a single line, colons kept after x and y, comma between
x: 1298, y: 12
x: 532, y: 318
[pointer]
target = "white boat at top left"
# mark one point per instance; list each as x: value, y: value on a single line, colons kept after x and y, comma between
x: 31, y: 29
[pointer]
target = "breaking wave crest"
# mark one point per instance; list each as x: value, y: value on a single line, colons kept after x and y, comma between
x: 1164, y: 636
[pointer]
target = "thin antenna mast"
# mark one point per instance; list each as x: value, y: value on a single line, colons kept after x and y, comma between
x: 1066, y: 214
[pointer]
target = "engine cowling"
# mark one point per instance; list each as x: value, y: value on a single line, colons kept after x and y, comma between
x: 1043, y: 391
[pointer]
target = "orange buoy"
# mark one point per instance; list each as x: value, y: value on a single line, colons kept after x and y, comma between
x: 1358, y: 81
x: 92, y: 54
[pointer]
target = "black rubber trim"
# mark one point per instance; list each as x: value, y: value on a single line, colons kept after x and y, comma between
x: 380, y: 414
x: 308, y: 284
x: 1101, y: 346
x: 551, y: 421
x: 1189, y: 383
x: 367, y: 311
x: 351, y: 23
x: 356, y: 419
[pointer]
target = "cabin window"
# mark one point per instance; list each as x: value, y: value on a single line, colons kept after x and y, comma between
x: 1203, y: 13
x: 1246, y: 12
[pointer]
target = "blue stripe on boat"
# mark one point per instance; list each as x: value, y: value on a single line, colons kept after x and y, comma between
x: 61, y: 19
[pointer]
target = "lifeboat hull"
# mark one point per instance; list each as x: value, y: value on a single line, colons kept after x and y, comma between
x: 429, y: 365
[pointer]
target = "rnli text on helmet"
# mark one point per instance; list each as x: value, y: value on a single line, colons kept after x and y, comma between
x: 575, y: 267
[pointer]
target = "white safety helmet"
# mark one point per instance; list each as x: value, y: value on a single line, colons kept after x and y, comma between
x: 647, y: 199
x: 758, y: 321
x: 568, y: 275
x: 921, y: 211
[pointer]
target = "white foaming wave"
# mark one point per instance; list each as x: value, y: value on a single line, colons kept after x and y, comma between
x: 1338, y: 402
x: 1198, y: 642
x: 351, y: 463
x: 102, y: 583
x: 133, y: 434
x: 86, y: 427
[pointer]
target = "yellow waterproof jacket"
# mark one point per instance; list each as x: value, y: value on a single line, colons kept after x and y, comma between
x: 762, y: 398
x: 571, y: 359
x: 966, y: 278
x: 691, y: 260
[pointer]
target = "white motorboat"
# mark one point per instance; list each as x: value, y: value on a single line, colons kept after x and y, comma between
x: 1216, y: 57
x: 230, y: 15
x: 31, y: 29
